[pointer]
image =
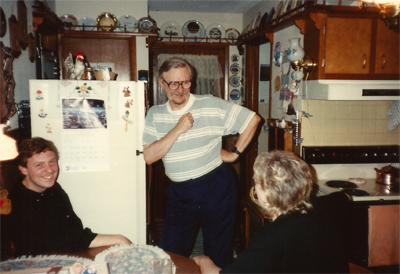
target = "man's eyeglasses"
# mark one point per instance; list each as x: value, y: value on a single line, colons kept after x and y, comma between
x: 175, y: 85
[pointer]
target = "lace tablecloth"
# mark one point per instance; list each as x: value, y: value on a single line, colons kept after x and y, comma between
x: 137, y: 259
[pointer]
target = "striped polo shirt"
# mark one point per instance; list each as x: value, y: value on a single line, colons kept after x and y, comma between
x: 197, y: 151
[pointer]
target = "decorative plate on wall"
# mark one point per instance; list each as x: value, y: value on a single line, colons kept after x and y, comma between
x: 234, y: 94
x: 69, y: 21
x: 234, y: 81
x: 278, y: 12
x: 193, y: 29
x: 215, y: 31
x: 31, y: 47
x: 86, y: 23
x: 256, y: 21
x: 127, y: 23
x: 270, y: 14
x: 263, y: 21
x: 171, y: 30
x: 107, y: 21
x: 22, y: 24
x: 235, y: 68
x: 3, y: 23
x: 14, y: 36
x: 147, y: 24
x: 235, y: 57
x: 232, y: 33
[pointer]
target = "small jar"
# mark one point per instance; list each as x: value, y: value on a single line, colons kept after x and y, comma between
x: 89, y: 74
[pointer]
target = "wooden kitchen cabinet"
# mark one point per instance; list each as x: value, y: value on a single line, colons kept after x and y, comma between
x: 351, y: 45
x: 387, y: 50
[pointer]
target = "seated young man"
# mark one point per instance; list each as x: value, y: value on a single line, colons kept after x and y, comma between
x: 42, y: 218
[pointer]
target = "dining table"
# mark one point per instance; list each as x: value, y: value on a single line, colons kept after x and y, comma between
x: 182, y: 264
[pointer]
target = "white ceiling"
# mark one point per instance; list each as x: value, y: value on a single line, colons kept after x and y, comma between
x: 207, y: 6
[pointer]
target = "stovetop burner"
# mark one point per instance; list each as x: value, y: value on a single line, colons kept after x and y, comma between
x: 340, y: 183
x: 355, y: 192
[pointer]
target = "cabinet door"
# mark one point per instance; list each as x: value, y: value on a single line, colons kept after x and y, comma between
x: 387, y: 50
x: 348, y: 45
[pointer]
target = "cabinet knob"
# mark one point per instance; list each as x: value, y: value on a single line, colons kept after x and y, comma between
x: 383, y: 61
x: 365, y: 60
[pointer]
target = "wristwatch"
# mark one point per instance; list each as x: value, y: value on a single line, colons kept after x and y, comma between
x: 235, y: 150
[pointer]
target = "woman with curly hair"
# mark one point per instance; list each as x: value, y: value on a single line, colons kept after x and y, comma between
x: 306, y: 233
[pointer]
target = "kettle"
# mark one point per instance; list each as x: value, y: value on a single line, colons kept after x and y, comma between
x: 388, y: 175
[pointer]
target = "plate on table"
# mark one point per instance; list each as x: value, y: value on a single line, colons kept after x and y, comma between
x: 147, y: 25
x: 89, y: 23
x: 171, y: 30
x: 339, y: 183
x: 194, y: 30
x: 215, y: 31
x: 69, y: 21
x: 127, y: 22
x: 107, y: 21
x: 232, y: 34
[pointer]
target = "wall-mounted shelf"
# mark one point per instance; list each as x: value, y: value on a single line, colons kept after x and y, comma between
x: 297, y: 15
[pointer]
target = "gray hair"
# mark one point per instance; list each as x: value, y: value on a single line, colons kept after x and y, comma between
x: 286, y: 180
x: 173, y: 63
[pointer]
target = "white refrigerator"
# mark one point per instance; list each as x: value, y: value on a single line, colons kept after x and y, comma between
x: 97, y: 127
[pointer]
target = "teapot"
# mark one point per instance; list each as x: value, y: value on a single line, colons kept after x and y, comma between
x: 387, y: 175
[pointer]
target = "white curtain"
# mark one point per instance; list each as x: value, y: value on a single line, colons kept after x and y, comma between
x: 208, y: 78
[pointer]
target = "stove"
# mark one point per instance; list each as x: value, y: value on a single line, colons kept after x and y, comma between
x: 352, y: 168
x: 354, y: 165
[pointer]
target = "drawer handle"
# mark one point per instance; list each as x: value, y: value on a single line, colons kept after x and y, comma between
x: 365, y: 60
x: 383, y: 61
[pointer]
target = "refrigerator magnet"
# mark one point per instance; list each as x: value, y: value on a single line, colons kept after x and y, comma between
x: 42, y: 114
x: 49, y: 128
x: 39, y: 95
x: 126, y: 119
x: 126, y: 92
x: 128, y: 103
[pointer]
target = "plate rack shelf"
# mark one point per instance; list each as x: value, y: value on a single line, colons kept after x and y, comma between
x: 264, y: 32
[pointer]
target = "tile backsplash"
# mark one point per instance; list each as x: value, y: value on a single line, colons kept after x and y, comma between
x: 347, y: 123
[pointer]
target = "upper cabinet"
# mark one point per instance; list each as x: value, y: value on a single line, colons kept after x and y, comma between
x: 350, y: 45
x: 345, y: 42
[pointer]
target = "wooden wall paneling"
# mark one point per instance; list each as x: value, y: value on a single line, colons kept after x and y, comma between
x: 251, y: 102
x: 119, y: 50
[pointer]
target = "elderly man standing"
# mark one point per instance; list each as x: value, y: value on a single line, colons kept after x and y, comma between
x: 186, y: 133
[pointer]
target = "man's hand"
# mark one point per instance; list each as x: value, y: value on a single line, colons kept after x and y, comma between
x: 184, y: 123
x: 228, y: 157
x: 207, y: 266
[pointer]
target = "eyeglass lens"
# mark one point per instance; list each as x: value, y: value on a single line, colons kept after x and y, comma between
x: 175, y: 85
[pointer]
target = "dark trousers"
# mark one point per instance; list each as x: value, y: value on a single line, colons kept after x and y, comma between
x: 209, y: 201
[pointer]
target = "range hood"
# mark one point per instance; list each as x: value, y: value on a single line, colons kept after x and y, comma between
x: 351, y: 90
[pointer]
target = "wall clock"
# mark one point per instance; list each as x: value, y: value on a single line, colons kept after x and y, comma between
x: 3, y: 23
x: 14, y: 36
x: 22, y: 24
